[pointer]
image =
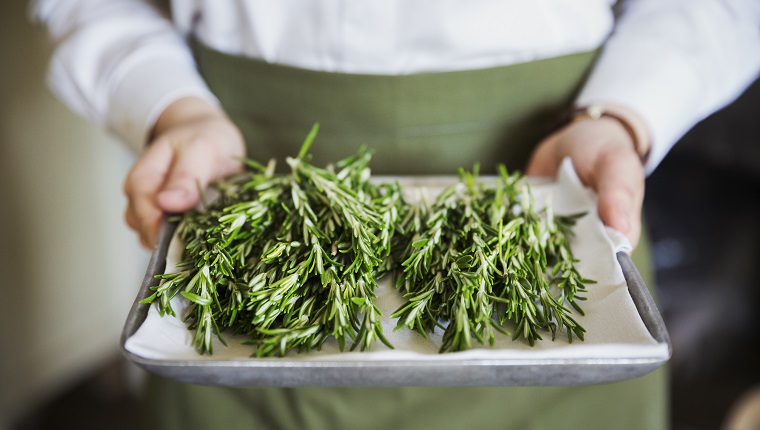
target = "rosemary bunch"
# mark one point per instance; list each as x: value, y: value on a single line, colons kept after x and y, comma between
x: 480, y: 256
x: 288, y: 260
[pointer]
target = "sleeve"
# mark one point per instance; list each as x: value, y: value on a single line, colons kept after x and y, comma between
x: 119, y: 63
x: 676, y: 61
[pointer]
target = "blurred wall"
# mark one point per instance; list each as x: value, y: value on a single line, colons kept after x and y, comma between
x: 69, y: 267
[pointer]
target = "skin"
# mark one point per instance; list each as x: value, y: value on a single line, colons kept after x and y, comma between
x: 194, y: 143
x: 606, y: 159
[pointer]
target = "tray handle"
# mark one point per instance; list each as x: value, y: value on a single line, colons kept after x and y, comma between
x: 643, y: 301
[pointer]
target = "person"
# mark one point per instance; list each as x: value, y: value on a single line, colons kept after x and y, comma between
x: 430, y: 86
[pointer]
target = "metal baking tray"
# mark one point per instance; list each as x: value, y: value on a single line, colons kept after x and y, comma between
x: 293, y: 371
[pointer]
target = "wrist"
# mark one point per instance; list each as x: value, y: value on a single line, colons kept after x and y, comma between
x: 184, y: 111
x: 633, y: 125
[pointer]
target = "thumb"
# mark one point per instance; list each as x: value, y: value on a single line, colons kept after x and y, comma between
x: 620, y: 188
x: 192, y: 169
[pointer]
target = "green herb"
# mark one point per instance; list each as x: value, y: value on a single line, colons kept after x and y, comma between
x: 481, y: 256
x: 288, y: 260
x: 292, y: 260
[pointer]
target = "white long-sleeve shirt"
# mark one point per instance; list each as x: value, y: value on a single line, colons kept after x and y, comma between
x: 120, y: 62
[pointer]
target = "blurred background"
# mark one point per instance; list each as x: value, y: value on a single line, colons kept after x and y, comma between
x: 702, y: 208
x: 69, y: 265
x: 71, y: 268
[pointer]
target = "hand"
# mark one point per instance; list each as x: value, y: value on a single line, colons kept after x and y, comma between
x: 193, y: 144
x: 606, y: 160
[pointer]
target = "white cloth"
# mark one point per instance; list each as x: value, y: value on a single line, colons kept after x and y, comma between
x: 120, y: 63
x: 614, y: 328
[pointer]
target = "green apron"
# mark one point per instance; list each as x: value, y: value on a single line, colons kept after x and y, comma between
x: 420, y: 123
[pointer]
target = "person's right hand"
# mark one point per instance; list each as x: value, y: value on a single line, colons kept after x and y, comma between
x: 193, y: 144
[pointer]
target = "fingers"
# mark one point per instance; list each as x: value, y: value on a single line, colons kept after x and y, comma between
x: 194, y: 142
x: 620, y: 188
x: 142, y: 184
x: 605, y: 160
x: 192, y: 169
x: 168, y: 178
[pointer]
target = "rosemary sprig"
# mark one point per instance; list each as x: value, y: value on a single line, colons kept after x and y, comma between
x: 289, y: 261
x: 483, y: 255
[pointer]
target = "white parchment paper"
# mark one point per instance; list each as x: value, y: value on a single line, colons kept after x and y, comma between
x: 614, y: 328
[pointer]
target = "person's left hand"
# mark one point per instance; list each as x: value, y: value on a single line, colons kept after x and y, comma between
x: 606, y: 160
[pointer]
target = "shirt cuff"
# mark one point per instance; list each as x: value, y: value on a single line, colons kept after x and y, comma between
x: 146, y: 88
x: 663, y: 89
